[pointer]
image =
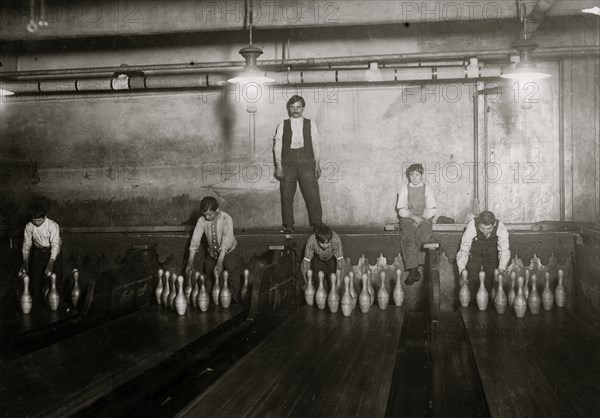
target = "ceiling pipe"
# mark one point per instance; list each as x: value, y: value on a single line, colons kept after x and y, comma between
x: 535, y: 17
x: 308, y: 63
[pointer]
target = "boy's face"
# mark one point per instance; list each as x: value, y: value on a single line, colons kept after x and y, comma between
x: 415, y: 178
x: 38, y: 221
x: 209, y: 215
x: 295, y: 109
x: 324, y: 245
x: 486, y: 229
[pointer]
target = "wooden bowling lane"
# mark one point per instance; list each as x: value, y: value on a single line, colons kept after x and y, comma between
x: 66, y: 376
x: 315, y: 364
x: 542, y: 365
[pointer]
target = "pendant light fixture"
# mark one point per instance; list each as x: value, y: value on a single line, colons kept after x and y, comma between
x: 525, y: 68
x: 251, y: 73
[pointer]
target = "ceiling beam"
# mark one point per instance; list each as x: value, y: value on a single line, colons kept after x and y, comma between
x: 101, y: 18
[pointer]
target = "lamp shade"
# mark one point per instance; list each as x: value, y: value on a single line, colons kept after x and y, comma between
x: 251, y: 72
x: 525, y: 69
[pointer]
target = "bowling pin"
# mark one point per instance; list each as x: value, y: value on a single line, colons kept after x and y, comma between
x: 495, y: 284
x: 364, y: 299
x: 76, y: 292
x: 188, y: 288
x: 216, y: 290
x: 173, y: 291
x: 225, y: 295
x: 26, y: 299
x: 559, y: 293
x: 53, y: 297
x: 309, y: 292
x: 166, y: 288
x: 244, y: 291
x: 203, y: 296
x: 321, y: 295
x: 501, y: 301
x: 346, y: 301
x: 511, y: 292
x: 180, y: 300
x: 383, y: 296
x: 464, y: 294
x: 195, y: 290
x: 333, y: 299
x: 482, y: 296
x: 520, y: 304
x: 534, y: 301
x: 159, y: 287
x: 353, y: 290
x: 526, y: 285
x: 398, y: 290
x: 370, y: 287
x: 547, y: 296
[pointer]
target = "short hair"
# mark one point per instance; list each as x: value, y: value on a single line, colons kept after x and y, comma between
x: 323, y: 233
x: 295, y: 98
x: 38, y: 207
x: 208, y: 203
x: 414, y: 167
x: 487, y: 218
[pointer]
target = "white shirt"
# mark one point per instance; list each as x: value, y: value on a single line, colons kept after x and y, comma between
x: 402, y: 204
x: 462, y: 257
x: 297, y: 125
x: 47, y: 235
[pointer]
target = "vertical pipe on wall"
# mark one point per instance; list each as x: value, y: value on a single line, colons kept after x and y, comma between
x: 475, y: 145
x: 561, y: 139
x: 485, y: 150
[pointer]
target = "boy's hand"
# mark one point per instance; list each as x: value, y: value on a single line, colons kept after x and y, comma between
x: 49, y: 268
x: 317, y: 170
x: 279, y: 171
x: 304, y: 268
x: 24, y: 268
x: 189, y: 269
x: 218, y: 269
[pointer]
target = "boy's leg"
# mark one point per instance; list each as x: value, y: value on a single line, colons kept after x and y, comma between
x: 233, y: 265
x: 410, y: 249
x: 310, y: 192
x: 288, y: 187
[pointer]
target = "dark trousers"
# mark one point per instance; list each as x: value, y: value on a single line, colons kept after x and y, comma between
x: 233, y: 264
x: 328, y: 267
x: 412, y: 241
x: 486, y: 257
x: 38, y: 282
x: 297, y: 169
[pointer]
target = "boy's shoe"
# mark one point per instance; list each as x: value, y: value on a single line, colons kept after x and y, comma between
x: 413, y: 277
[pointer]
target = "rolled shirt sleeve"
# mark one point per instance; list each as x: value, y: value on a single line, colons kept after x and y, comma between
x: 197, y: 235
x: 316, y: 141
x: 311, y: 243
x: 338, y: 251
x: 228, y: 241
x: 27, y: 240
x: 54, y: 231
x: 402, y: 203
x: 462, y: 257
x: 278, y: 143
x: 430, y: 204
x: 503, y: 246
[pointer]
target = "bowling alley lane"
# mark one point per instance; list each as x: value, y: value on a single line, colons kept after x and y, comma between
x: 541, y: 365
x: 314, y: 364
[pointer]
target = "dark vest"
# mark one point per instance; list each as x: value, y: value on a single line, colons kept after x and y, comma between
x: 416, y: 199
x: 487, y: 247
x: 287, y: 141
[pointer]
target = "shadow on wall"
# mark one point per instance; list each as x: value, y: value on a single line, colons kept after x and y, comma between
x: 137, y: 211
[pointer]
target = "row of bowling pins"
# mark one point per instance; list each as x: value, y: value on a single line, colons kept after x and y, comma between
x: 520, y: 300
x: 174, y: 296
x: 350, y: 298
x: 51, y: 294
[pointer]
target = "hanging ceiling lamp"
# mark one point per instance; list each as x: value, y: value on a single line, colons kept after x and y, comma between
x: 526, y: 68
x: 251, y: 73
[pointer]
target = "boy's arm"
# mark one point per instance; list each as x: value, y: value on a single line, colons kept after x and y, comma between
x: 277, y: 148
x: 309, y: 253
x: 26, y: 249
x: 402, y: 204
x: 228, y: 241
x: 503, y: 247
x: 430, y: 204
x: 195, y: 243
x: 338, y: 252
x: 55, y: 242
x: 462, y: 257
